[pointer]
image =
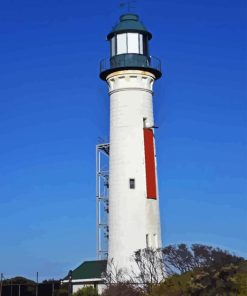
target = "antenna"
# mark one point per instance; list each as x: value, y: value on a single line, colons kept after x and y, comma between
x: 129, y: 4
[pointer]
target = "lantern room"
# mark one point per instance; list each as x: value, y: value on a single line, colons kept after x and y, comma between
x: 129, y: 36
x: 129, y: 48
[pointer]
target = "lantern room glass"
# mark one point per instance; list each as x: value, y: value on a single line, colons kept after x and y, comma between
x: 122, y: 43
x: 125, y: 43
x: 133, y: 43
x: 113, y: 46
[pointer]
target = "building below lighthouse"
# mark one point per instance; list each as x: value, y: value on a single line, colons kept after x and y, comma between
x: 130, y: 72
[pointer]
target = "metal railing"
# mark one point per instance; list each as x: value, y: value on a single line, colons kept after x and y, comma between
x: 130, y: 60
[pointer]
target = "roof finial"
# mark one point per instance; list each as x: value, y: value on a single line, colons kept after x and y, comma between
x: 129, y: 4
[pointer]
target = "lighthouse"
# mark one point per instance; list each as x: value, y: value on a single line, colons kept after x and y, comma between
x: 130, y: 73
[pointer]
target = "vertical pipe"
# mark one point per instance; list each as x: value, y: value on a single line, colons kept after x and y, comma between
x: 52, y: 293
x: 19, y: 290
x: 97, y: 202
x: 99, y: 205
x: 96, y: 167
x: 1, y: 284
x: 70, y: 289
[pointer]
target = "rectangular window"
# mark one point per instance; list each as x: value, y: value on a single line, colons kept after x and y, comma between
x: 150, y: 163
x: 121, y: 43
x: 147, y: 241
x: 132, y: 183
x: 133, y: 43
x: 155, y: 240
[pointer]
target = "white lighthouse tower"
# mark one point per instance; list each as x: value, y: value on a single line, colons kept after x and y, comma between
x: 130, y: 72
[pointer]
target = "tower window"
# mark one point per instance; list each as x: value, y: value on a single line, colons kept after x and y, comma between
x: 147, y: 241
x: 132, y: 183
x: 155, y: 240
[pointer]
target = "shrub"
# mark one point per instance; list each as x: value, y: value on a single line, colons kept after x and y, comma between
x: 87, y: 291
x: 122, y: 289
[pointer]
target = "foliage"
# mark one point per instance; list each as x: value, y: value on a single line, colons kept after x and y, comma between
x: 147, y: 270
x: 181, y: 258
x: 19, y: 280
x: 150, y: 268
x: 177, y: 270
x: 240, y: 279
x: 87, y: 291
x: 12, y: 286
x: 62, y: 290
x: 122, y: 289
x: 229, y: 280
x: 150, y: 265
x: 175, y: 285
x: 28, y: 287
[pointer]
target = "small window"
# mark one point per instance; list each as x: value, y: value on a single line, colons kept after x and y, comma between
x: 147, y: 241
x: 155, y: 241
x: 144, y: 122
x: 132, y: 183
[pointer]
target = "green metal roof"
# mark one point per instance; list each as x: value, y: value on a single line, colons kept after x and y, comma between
x: 129, y: 23
x: 89, y: 270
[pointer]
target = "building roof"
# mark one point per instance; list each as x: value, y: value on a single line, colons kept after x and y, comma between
x: 129, y: 23
x: 89, y: 270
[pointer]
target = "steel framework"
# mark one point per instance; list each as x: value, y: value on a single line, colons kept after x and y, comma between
x: 102, y: 203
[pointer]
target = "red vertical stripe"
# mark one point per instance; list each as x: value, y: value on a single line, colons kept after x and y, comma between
x: 150, y: 163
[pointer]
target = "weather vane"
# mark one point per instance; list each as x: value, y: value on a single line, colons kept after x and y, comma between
x: 129, y: 4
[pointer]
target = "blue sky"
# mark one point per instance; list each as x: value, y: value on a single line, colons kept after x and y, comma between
x: 53, y: 107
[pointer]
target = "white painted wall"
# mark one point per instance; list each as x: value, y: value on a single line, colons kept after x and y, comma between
x: 131, y: 215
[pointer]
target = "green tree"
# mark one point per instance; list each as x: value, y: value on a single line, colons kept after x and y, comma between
x: 182, y: 258
x: 175, y: 285
x: 240, y: 279
x: 229, y: 280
